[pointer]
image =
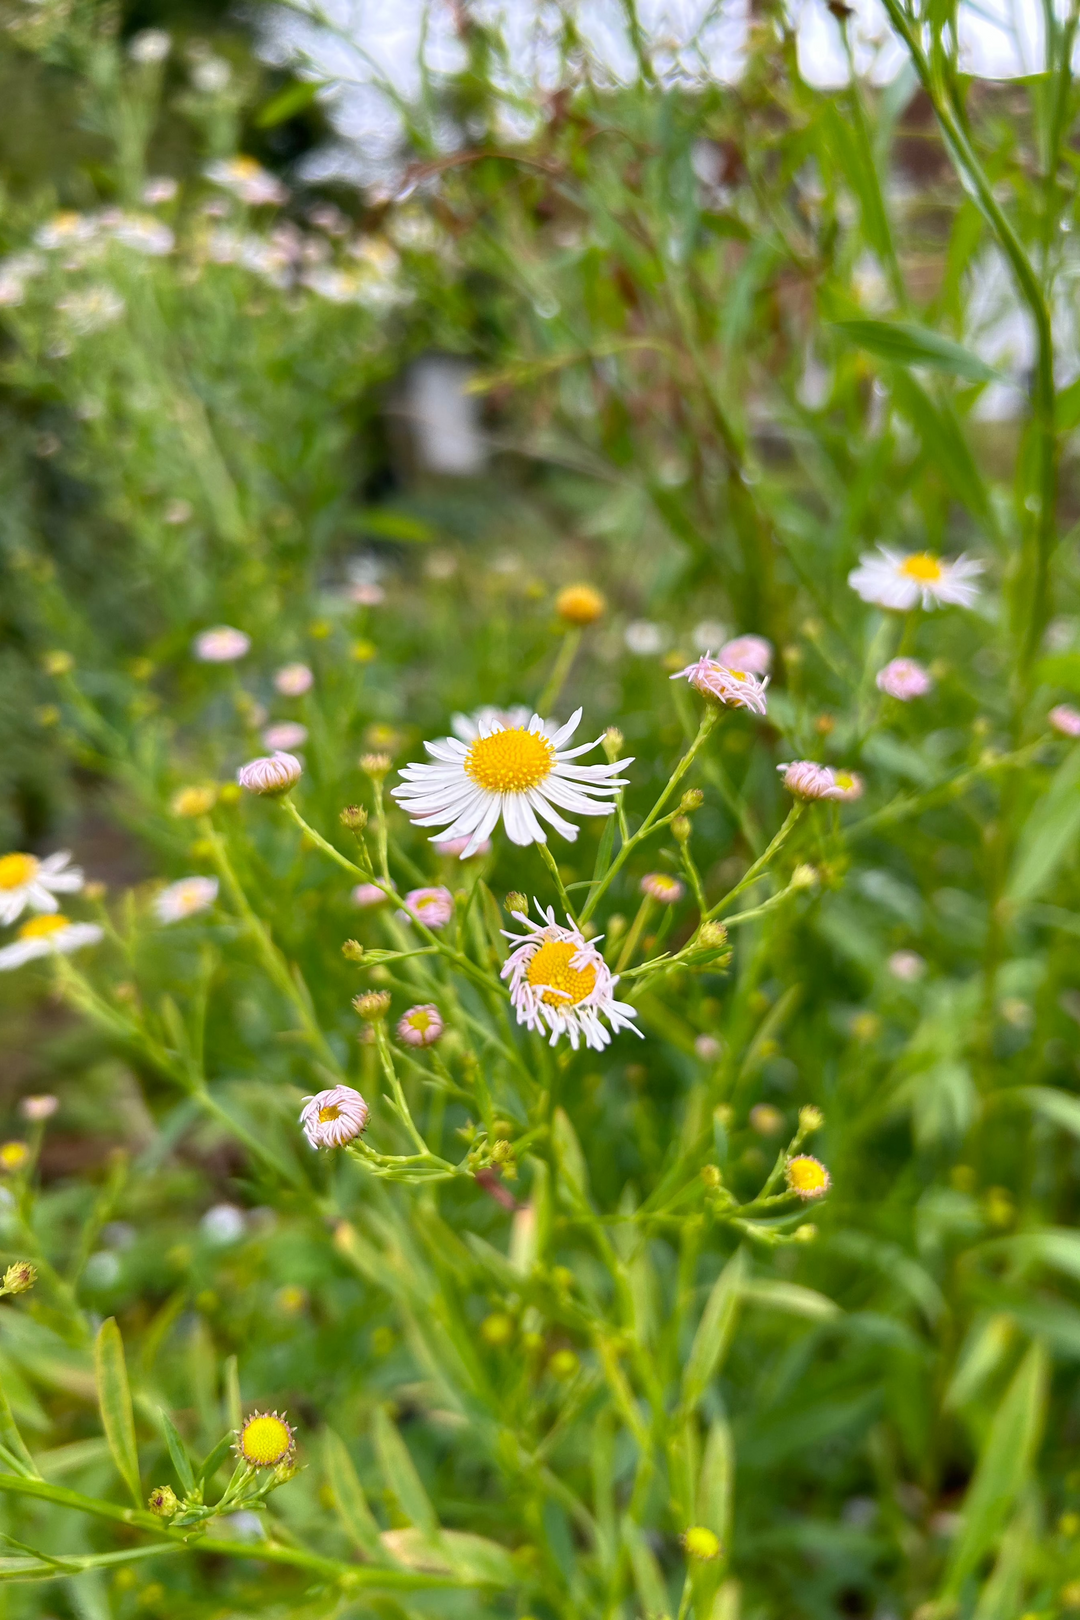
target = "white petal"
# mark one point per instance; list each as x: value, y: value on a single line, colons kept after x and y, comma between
x: 564, y: 733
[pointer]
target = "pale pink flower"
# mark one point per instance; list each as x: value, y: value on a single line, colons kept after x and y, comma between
x: 750, y: 653
x: 433, y: 907
x: 273, y: 775
x: 368, y: 894
x: 293, y: 680
x: 38, y: 1108
x: 367, y: 594
x: 332, y: 1118
x: 904, y: 679
x: 421, y: 1026
x: 806, y: 779
x: 221, y: 645
x: 185, y: 899
x: 906, y: 966
x: 458, y: 846
x: 560, y: 982
x: 736, y: 688
x: 708, y: 1048
x: 659, y: 886
x: 1065, y: 720
x: 286, y: 734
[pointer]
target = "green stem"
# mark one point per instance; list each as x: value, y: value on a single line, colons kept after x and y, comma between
x: 755, y: 871
x: 548, y: 698
x: 549, y: 861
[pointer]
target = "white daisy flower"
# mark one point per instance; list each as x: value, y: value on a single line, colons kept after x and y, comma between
x: 247, y: 180
x: 470, y: 726
x: 185, y: 898
x: 45, y: 936
x: 560, y: 982
x: 902, y: 580
x: 332, y: 1118
x: 735, y: 688
x: 518, y: 772
x: 26, y: 881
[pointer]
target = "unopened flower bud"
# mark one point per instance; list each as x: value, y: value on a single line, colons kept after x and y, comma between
x: 284, y: 1472
x: 354, y: 816
x: 19, y: 1278
x: 194, y: 801
x: 710, y: 1175
x: 702, y: 1543
x: 372, y: 1005
x: 806, y: 1233
x: 272, y: 775
x: 163, y: 1501
x: 712, y: 936
x: 579, y: 605
x: 516, y: 902
x: 375, y: 765
x: 810, y: 1119
x: 804, y: 876
x: 58, y: 662
x: 352, y: 950
x: 692, y: 799
x: 681, y: 829
x: 612, y: 743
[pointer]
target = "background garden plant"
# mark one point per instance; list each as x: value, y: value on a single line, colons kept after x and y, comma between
x: 680, y: 1216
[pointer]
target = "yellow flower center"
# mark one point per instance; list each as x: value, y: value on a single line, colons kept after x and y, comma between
x: 579, y: 605
x: 844, y: 779
x: 13, y: 1155
x: 15, y: 870
x: 923, y: 566
x: 42, y: 927
x: 807, y: 1175
x: 566, y: 985
x: 265, y: 1440
x: 510, y: 761
x: 701, y: 1542
x: 420, y: 1021
x: 739, y: 674
x: 329, y: 1112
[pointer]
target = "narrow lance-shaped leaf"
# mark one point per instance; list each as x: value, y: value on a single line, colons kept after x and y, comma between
x: 349, y: 1499
x: 185, y: 1473
x: 401, y: 1476
x: 714, y: 1330
x: 13, y: 1443
x: 906, y: 344
x: 647, y: 1577
x: 114, y: 1398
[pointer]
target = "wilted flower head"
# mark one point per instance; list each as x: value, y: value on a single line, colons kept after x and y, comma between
x: 752, y: 653
x: 1065, y: 720
x: 272, y: 776
x: 659, y: 886
x: 433, y: 907
x: 735, y: 688
x: 45, y: 936
x: 904, y: 679
x: 806, y: 779
x: 265, y: 1440
x: 27, y: 881
x: 221, y: 645
x: 163, y: 1501
x: 517, y: 773
x: 286, y: 734
x: 185, y: 898
x: 38, y: 1108
x: 368, y: 894
x: 332, y: 1118
x: 421, y: 1026
x: 807, y: 1177
x: 293, y: 680
x: 560, y: 982
x: 900, y: 580
x: 579, y: 605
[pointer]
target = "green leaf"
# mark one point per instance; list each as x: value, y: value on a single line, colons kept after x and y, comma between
x: 295, y: 98
x: 1049, y: 834
x: 1057, y: 1106
x: 982, y: 1354
x: 215, y: 1459
x: 114, y: 1399
x: 903, y: 343
x: 714, y: 1331
x: 791, y: 1297
x: 647, y: 1577
x: 185, y: 1473
x: 13, y: 1443
x: 571, y: 1160
x: 386, y: 524
x: 349, y: 1499
x: 716, y: 1485
x: 1003, y: 1468
x: 234, y: 1414
x: 399, y: 1472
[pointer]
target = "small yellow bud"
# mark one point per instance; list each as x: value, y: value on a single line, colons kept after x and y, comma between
x: 19, y: 1277
x: 497, y: 1330
x: 692, y: 799
x: 612, y: 743
x: 320, y: 629
x: 806, y: 1233
x: 681, y: 829
x: 810, y: 1118
x: 375, y: 765
x: 13, y: 1156
x: 354, y: 817
x: 766, y: 1120
x: 710, y: 1175
x: 579, y: 605
x: 516, y: 902
x: 47, y: 714
x: 563, y: 1364
x: 163, y: 1501
x: 230, y: 793
x: 95, y: 890
x: 194, y: 801
x: 362, y: 652
x: 58, y: 662
x: 372, y: 1005
x: 352, y: 950
x: 701, y: 1543
x: 804, y: 876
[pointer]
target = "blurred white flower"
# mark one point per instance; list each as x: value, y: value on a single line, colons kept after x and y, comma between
x: 161, y: 188
x: 293, y: 680
x: 149, y: 46
x: 48, y: 936
x: 906, y: 966
x: 65, y: 229
x: 92, y: 309
x: 644, y: 638
x: 904, y: 679
x: 211, y: 75
x: 39, y: 1108
x: 433, y: 907
x: 247, y: 180
x: 27, y: 881
x: 368, y: 894
x: 221, y: 645
x: 222, y: 1224
x: 185, y: 898
x: 1065, y: 720
x: 143, y: 234
x: 902, y: 580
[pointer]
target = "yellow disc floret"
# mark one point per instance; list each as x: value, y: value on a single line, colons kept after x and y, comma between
x: 510, y: 761
x: 701, y: 1542
x: 564, y: 985
x: 923, y: 566
x: 265, y: 1440
x: 807, y: 1176
x: 41, y: 927
x: 579, y: 605
x: 16, y: 870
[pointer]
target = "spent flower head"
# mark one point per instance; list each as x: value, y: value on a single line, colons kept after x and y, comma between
x: 735, y: 688
x: 163, y: 1501
x: 372, y: 1005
